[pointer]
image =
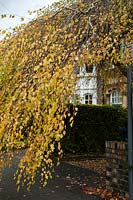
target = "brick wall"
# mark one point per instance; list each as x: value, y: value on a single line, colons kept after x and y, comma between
x: 117, y: 167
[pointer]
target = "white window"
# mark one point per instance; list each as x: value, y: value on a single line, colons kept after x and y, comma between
x: 115, y: 97
x: 88, y: 98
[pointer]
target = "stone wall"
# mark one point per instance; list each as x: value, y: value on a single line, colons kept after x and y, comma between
x: 117, y: 167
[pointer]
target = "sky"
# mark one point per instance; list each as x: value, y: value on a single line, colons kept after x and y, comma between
x: 19, y: 8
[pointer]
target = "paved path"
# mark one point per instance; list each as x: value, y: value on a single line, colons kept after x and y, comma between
x: 66, y: 184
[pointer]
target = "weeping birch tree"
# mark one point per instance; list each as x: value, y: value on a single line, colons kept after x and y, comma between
x: 37, y: 79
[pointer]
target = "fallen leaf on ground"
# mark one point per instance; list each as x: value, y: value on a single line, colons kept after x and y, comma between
x: 103, y: 193
x: 98, y: 165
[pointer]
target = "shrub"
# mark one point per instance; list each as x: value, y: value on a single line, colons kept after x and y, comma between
x: 93, y: 125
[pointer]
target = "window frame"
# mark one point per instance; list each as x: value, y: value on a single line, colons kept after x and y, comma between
x: 89, y: 98
x: 116, y: 97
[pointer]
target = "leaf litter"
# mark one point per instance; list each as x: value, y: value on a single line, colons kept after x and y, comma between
x: 99, y: 166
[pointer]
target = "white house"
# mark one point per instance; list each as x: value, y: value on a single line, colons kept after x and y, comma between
x: 86, y: 89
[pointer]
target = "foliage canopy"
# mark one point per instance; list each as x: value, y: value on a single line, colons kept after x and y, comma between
x: 37, y: 74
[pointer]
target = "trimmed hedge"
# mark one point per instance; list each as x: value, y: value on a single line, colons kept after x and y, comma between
x: 93, y: 125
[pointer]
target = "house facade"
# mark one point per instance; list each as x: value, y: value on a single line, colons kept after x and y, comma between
x: 111, y: 90
x: 86, y: 88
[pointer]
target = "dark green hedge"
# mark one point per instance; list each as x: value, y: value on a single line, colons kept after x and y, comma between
x: 93, y: 125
